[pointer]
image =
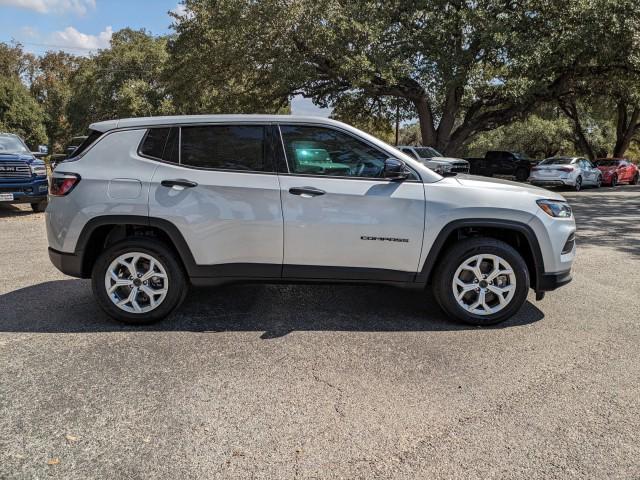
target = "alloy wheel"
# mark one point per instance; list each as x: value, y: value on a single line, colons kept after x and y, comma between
x: 136, y: 282
x: 484, y: 284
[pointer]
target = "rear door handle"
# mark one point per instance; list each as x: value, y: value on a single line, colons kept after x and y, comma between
x: 306, y: 191
x: 179, y: 182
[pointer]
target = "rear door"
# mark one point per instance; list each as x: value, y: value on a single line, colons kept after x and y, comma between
x: 221, y: 190
x: 341, y: 219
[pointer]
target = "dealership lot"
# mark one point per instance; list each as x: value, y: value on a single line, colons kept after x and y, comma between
x: 267, y: 381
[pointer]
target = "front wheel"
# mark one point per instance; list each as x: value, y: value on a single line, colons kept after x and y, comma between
x: 39, y: 207
x: 481, y: 281
x: 636, y: 179
x: 138, y: 281
x: 614, y: 181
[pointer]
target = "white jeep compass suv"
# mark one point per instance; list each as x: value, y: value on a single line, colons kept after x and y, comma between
x: 146, y: 206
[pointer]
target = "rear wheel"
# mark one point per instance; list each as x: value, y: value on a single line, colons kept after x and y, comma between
x: 636, y: 179
x: 578, y: 186
x: 522, y: 174
x: 481, y: 281
x: 599, y: 182
x: 614, y: 181
x: 39, y: 206
x: 138, y: 281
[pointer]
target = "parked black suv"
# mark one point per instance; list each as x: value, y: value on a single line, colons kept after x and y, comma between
x: 498, y: 162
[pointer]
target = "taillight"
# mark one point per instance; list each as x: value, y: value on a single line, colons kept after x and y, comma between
x: 566, y: 169
x: 63, y: 183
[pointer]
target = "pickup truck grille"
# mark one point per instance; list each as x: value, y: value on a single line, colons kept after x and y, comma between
x: 460, y: 168
x: 14, y: 171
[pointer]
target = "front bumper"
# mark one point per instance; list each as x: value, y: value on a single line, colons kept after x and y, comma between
x: 68, y: 263
x: 552, y: 281
x: 26, y: 192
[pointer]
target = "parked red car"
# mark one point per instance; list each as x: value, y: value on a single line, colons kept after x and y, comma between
x: 618, y: 170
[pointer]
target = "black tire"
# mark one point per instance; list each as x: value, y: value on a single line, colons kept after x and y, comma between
x: 636, y: 179
x: 614, y: 181
x: 522, y: 174
x: 39, y: 207
x: 463, y: 250
x: 599, y: 182
x: 578, y: 186
x: 177, y: 282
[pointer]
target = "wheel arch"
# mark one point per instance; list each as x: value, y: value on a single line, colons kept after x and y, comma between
x: 105, y: 230
x: 519, y: 235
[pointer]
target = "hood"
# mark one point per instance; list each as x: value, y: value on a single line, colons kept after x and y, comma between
x: 18, y: 157
x: 505, y: 185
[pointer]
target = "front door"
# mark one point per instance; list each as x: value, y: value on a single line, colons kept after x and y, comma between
x: 341, y: 218
x: 222, y: 193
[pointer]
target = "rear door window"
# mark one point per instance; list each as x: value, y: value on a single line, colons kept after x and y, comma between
x: 225, y: 147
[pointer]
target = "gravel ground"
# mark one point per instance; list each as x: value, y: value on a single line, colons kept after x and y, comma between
x: 281, y: 382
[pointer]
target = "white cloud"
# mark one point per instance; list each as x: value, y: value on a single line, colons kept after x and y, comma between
x: 179, y: 9
x: 306, y: 107
x: 73, y: 40
x: 29, y: 32
x: 79, y: 7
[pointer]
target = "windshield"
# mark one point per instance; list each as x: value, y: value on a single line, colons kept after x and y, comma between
x: 12, y: 144
x: 607, y: 163
x: 427, y: 152
x: 556, y: 161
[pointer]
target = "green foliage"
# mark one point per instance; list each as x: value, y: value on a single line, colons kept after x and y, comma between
x: 461, y: 68
x: 122, y: 81
x: 20, y: 113
x: 52, y: 89
x: 536, y: 136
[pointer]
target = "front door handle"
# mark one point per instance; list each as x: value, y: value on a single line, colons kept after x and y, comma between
x: 306, y: 191
x: 179, y: 182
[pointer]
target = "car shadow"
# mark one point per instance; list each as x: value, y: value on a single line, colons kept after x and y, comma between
x: 68, y: 306
x: 8, y: 210
x: 607, y: 219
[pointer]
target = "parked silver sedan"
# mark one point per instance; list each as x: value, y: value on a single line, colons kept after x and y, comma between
x: 574, y: 172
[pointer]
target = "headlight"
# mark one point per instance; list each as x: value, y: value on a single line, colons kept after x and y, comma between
x: 555, y: 208
x: 39, y: 170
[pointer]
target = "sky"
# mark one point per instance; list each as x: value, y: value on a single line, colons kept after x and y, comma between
x: 83, y: 26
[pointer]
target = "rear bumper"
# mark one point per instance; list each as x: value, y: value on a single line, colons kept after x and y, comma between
x: 550, y: 182
x: 68, y: 263
x: 552, y: 281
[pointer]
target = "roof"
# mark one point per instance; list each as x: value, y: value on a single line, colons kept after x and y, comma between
x: 195, y: 119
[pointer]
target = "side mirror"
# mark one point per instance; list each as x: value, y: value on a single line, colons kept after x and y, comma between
x: 395, y: 170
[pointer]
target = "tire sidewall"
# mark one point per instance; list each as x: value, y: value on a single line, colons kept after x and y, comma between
x: 578, y: 185
x: 463, y: 251
x: 521, y: 174
x: 175, y: 275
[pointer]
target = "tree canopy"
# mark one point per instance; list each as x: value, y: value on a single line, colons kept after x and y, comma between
x: 460, y: 67
x: 465, y: 71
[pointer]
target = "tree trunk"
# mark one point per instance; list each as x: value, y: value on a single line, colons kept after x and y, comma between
x: 570, y: 109
x: 626, y: 128
x: 425, y: 119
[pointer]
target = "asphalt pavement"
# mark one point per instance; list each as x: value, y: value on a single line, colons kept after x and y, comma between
x: 324, y: 382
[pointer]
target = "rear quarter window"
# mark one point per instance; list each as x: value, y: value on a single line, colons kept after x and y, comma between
x: 92, y: 137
